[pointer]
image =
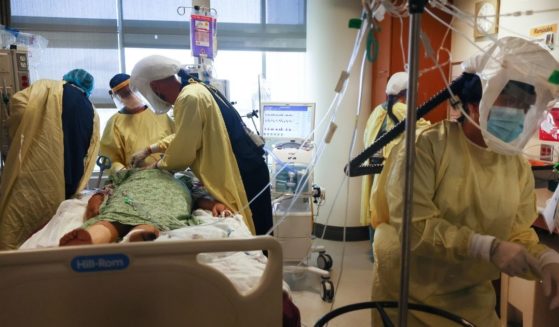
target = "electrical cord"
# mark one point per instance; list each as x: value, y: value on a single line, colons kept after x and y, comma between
x: 381, y: 305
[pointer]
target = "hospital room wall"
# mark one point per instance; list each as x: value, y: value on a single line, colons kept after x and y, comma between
x: 329, y: 46
x: 509, y: 26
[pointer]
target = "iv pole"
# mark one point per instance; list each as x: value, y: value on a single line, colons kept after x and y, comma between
x: 415, y: 9
x: 354, y: 168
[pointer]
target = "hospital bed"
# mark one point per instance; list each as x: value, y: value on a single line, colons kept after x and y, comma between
x: 187, y: 276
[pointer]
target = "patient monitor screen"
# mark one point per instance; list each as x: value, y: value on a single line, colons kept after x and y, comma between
x: 287, y: 120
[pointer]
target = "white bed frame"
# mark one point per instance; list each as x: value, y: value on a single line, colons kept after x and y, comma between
x: 136, y: 284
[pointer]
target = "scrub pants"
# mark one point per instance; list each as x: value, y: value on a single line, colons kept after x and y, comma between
x: 254, y: 181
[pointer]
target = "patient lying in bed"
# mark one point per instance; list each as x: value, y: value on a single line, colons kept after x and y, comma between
x: 154, y: 198
x: 138, y: 204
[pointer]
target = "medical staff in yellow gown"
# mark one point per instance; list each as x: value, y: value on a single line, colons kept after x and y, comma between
x: 201, y: 139
x: 33, y: 180
x: 382, y: 119
x: 200, y: 131
x: 463, y: 194
x: 133, y: 128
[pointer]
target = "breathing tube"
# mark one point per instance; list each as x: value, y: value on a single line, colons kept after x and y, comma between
x: 355, y: 168
x: 390, y: 101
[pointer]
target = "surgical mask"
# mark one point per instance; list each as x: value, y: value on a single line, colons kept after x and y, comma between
x: 505, y: 123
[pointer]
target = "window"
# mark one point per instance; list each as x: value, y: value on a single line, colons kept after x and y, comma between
x: 21, y: 9
x: 285, y: 76
x: 104, y: 116
x: 160, y: 10
x: 238, y: 11
x: 285, y: 12
x: 284, y: 73
x: 133, y: 55
x: 55, y: 62
x: 241, y: 69
x: 264, y: 38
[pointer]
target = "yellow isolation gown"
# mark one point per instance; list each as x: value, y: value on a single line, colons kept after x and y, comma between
x: 372, y: 128
x: 126, y: 134
x: 32, y: 185
x: 202, y: 143
x: 459, y: 189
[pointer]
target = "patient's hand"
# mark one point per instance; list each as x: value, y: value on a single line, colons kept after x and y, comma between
x: 93, y: 205
x: 217, y: 208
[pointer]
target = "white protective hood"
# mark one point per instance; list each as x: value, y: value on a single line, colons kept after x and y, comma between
x: 514, y: 59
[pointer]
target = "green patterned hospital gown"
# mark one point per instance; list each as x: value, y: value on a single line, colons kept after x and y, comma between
x: 149, y: 196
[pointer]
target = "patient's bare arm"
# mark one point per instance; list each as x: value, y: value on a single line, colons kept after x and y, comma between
x: 217, y: 208
x: 93, y: 205
x: 96, y: 201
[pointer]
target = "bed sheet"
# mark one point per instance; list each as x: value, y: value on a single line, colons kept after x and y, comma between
x: 242, y: 268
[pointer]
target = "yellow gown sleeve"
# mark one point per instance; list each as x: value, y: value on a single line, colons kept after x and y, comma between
x: 422, y: 123
x: 35, y: 157
x: 522, y: 232
x: 171, y: 124
x: 187, y: 140
x: 17, y: 108
x: 112, y: 146
x: 400, y: 110
x: 163, y: 144
x: 371, y: 129
x: 372, y: 126
x: 431, y: 235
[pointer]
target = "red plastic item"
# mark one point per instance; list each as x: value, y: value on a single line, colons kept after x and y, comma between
x: 549, y: 128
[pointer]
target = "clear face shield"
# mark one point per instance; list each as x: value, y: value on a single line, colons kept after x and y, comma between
x: 159, y: 100
x: 511, y: 118
x: 124, y: 97
x: 149, y: 70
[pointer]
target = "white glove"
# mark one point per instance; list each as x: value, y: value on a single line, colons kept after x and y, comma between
x: 549, y: 267
x: 512, y: 258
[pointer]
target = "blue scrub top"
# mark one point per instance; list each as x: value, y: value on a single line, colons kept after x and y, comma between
x: 77, y: 126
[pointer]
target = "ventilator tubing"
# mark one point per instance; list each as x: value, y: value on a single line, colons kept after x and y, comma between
x: 355, y: 168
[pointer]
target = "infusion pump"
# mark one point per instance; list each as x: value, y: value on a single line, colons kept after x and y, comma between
x: 14, y: 77
x: 14, y: 71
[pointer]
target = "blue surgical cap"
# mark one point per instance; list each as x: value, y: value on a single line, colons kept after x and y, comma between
x: 117, y: 79
x: 80, y: 78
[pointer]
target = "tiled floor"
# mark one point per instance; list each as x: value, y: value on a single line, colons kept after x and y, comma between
x: 354, y: 285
